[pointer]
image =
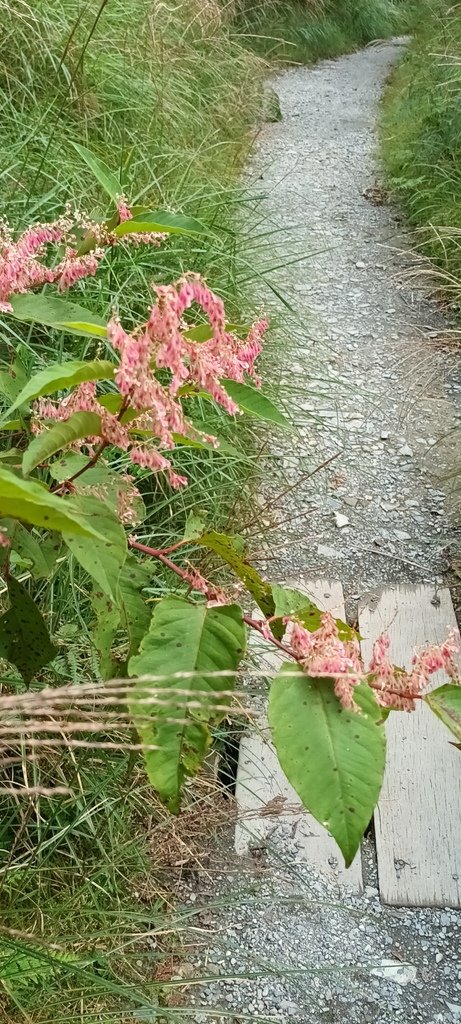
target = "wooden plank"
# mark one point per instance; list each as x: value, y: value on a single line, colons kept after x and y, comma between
x: 418, y: 820
x: 269, y: 809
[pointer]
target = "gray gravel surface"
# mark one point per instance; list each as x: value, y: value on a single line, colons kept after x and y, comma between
x: 319, y: 953
x: 366, y: 373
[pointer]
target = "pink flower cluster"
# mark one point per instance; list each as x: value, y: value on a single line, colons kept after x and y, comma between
x: 22, y: 265
x: 323, y: 654
x: 162, y: 344
x: 24, y: 262
x: 396, y: 688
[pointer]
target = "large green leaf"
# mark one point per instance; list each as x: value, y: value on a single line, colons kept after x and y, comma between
x: 252, y: 401
x: 333, y: 758
x: 101, y: 558
x: 24, y: 638
x: 183, y: 637
x: 161, y: 220
x: 103, y: 174
x: 61, y: 314
x: 135, y: 614
x: 289, y: 601
x: 32, y: 503
x: 230, y: 551
x: 445, y: 702
x: 38, y: 553
x: 59, y: 376
x: 46, y: 444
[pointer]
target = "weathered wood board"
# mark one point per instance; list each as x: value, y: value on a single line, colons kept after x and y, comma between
x: 264, y: 795
x: 418, y: 819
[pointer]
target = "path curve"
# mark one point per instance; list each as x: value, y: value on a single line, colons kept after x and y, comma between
x: 366, y: 351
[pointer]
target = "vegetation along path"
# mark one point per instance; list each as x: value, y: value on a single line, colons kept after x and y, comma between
x: 383, y: 411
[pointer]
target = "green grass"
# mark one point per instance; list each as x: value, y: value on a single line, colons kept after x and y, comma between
x: 421, y: 138
x: 301, y: 32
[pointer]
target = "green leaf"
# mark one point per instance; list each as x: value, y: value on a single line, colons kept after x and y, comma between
x: 333, y: 758
x: 445, y: 702
x: 101, y: 558
x: 12, y: 380
x: 184, y: 637
x: 58, y: 313
x: 161, y: 220
x: 204, y: 332
x: 59, y: 376
x: 255, y: 403
x: 67, y: 465
x: 231, y: 553
x: 103, y: 632
x: 24, y: 638
x: 289, y: 601
x: 224, y: 448
x: 46, y: 444
x: 31, y: 502
x: 41, y: 553
x: 13, y: 425
x: 134, y: 612
x: 103, y: 174
x: 195, y: 526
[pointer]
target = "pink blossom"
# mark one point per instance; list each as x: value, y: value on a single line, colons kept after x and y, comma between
x: 323, y: 654
x: 123, y: 209
x: 151, y: 458
x: 127, y: 496
x: 74, y: 267
x: 215, y: 596
x: 397, y: 688
x: 4, y: 539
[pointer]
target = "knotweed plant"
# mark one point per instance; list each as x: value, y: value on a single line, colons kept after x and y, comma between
x: 87, y: 434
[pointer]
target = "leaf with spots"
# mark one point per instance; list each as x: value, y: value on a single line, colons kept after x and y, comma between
x: 333, y: 758
x: 38, y: 553
x: 134, y: 612
x: 103, y: 632
x: 445, y: 702
x: 101, y: 558
x: 230, y: 550
x: 24, y: 637
x: 184, y: 638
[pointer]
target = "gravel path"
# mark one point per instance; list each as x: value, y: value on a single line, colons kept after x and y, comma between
x: 319, y: 953
x: 371, y: 364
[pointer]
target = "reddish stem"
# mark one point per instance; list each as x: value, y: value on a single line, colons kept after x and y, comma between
x: 253, y: 623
